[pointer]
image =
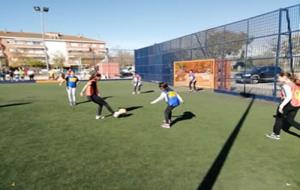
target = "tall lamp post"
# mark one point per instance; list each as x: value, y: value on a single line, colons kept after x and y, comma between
x: 43, y: 10
x: 107, y: 66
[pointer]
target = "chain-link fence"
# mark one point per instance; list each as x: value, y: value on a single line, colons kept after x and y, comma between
x: 257, y: 49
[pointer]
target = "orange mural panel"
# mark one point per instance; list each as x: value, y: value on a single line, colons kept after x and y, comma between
x: 204, y: 71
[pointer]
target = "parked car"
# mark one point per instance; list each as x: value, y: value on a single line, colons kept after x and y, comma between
x: 258, y: 74
x: 127, y: 72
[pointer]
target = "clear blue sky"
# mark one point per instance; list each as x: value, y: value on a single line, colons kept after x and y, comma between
x: 131, y: 24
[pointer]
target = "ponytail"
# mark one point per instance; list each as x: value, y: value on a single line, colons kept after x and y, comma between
x: 290, y: 76
x: 94, y: 75
x: 295, y: 80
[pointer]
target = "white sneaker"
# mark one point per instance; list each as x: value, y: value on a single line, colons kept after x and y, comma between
x: 116, y: 114
x: 100, y: 117
x: 138, y: 92
x: 165, y: 125
x: 133, y: 93
x: 273, y: 136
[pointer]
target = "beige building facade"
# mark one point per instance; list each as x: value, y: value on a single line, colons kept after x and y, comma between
x: 16, y: 48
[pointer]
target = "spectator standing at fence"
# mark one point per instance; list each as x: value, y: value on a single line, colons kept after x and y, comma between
x: 137, y: 83
x: 16, y: 75
x: 21, y: 73
x: 287, y: 109
x: 2, y: 74
x: 11, y: 75
x: 30, y: 73
x: 172, y: 99
x: 192, y: 81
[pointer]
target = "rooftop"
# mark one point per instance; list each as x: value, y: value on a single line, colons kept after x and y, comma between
x: 52, y: 36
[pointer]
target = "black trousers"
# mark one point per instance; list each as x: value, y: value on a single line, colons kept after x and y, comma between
x: 101, y: 102
x: 194, y: 85
x: 168, y: 113
x: 286, y: 119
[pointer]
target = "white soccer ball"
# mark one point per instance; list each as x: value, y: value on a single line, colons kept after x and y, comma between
x: 122, y: 111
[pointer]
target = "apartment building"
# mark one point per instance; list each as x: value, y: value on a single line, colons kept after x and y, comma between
x: 18, y: 47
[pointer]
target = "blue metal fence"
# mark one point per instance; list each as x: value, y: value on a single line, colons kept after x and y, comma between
x: 271, y: 39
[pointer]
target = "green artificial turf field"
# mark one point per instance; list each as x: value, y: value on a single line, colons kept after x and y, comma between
x: 218, y: 143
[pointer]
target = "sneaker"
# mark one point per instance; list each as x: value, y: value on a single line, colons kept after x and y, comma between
x: 100, y: 117
x: 138, y: 92
x: 165, y: 125
x: 116, y: 114
x: 133, y: 93
x: 273, y: 136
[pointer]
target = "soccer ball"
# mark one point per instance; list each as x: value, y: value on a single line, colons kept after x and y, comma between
x: 122, y: 111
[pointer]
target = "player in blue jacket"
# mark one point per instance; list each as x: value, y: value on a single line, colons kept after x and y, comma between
x: 171, y: 98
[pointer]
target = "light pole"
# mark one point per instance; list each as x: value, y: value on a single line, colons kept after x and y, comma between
x: 43, y: 10
x: 107, y: 66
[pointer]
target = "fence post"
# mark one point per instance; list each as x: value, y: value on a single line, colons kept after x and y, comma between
x: 290, y: 44
x: 277, y: 51
x: 246, y: 54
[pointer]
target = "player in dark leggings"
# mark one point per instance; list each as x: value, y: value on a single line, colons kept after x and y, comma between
x: 171, y: 98
x: 192, y: 81
x: 92, y: 93
x: 286, y: 112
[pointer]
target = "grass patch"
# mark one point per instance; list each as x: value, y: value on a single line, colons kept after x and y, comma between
x: 45, y: 144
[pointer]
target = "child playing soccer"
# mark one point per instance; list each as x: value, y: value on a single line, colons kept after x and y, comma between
x: 92, y: 93
x: 172, y: 99
x: 192, y: 81
x: 288, y: 107
x: 71, y: 84
x: 137, y: 83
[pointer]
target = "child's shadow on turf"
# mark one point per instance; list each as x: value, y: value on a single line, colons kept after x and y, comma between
x: 125, y: 115
x: 148, y: 91
x: 185, y: 116
x: 133, y: 108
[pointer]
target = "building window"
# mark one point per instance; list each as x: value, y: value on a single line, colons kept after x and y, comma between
x: 10, y: 41
x: 36, y: 43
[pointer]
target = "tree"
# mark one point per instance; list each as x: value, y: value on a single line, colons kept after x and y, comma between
x: 34, y: 62
x: 284, y: 50
x: 225, y: 43
x: 124, y: 58
x: 58, y: 60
